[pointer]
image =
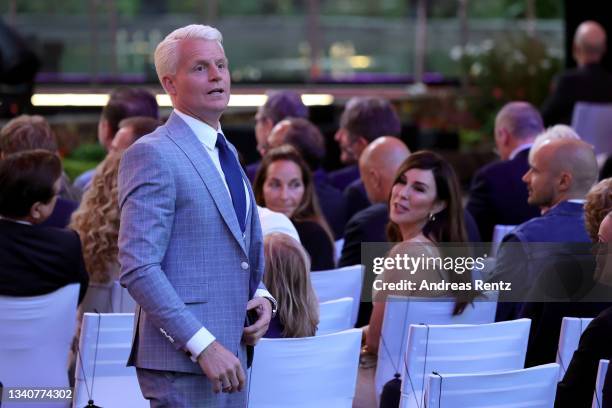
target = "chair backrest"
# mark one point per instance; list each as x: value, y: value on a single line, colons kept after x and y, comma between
x: 36, y: 335
x: 338, y: 245
x: 335, y: 315
x: 461, y: 348
x: 593, y: 123
x: 571, y: 330
x: 339, y: 283
x: 533, y: 387
x: 602, y: 370
x: 121, y: 300
x: 305, y: 372
x: 104, y: 348
x: 400, y: 313
x: 499, y: 232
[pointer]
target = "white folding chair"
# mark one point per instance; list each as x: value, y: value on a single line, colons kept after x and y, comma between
x: 101, y: 372
x: 121, y: 300
x: 338, y: 245
x: 460, y: 348
x: 569, y: 337
x: 35, y: 341
x: 305, y: 372
x: 533, y: 387
x: 602, y: 370
x: 339, y: 283
x: 335, y: 315
x: 593, y: 123
x: 499, y: 232
x: 401, y: 312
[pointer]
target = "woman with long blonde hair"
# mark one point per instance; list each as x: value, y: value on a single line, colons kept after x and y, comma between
x: 287, y: 277
x: 97, y: 223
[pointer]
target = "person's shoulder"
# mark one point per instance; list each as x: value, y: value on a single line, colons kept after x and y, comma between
x: 308, y: 226
x: 63, y: 237
x: 373, y: 212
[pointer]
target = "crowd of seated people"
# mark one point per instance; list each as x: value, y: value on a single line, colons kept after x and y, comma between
x: 543, y: 184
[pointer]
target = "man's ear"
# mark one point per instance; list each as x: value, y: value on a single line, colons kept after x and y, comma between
x: 168, y: 85
x: 359, y: 145
x: 268, y: 125
x: 35, y: 213
x: 565, y: 181
x: 504, y: 137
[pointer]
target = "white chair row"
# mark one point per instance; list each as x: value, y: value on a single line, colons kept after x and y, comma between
x: 401, y: 312
x: 532, y: 387
x: 36, y: 335
x: 335, y: 315
x: 104, y: 348
x: 291, y: 368
x: 460, y: 349
x: 602, y: 370
x: 339, y: 283
x: 569, y: 338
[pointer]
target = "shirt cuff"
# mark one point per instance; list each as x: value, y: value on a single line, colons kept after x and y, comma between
x: 198, y: 343
x: 263, y: 293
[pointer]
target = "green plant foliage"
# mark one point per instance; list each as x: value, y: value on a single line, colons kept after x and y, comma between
x: 513, y: 67
x: 88, y: 152
x: 74, y: 168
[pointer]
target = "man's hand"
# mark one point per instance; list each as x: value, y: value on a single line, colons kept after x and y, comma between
x: 251, y: 334
x: 222, y: 368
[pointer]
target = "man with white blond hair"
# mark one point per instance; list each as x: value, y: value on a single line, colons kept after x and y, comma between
x: 589, y: 82
x: 562, y: 169
x: 190, y: 242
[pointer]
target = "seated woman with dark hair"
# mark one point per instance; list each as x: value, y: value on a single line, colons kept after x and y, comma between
x: 284, y: 184
x: 287, y: 277
x: 424, y: 210
x: 35, y: 260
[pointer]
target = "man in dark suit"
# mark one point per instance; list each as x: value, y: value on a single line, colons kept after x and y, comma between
x: 562, y: 169
x: 589, y: 82
x: 309, y: 142
x: 498, y: 195
x: 378, y: 164
x: 363, y: 120
x: 35, y: 260
x: 278, y: 106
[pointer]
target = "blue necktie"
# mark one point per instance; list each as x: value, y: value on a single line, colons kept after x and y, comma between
x: 233, y: 178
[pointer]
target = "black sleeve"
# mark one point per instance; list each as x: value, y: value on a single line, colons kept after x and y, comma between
x: 317, y: 244
x: 558, y: 106
x: 479, y: 206
x: 355, y: 199
x: 353, y: 237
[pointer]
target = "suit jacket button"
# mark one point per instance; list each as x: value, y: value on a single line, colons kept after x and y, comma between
x: 244, y: 265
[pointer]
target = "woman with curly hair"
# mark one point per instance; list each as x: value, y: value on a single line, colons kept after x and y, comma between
x: 598, y: 204
x: 97, y: 222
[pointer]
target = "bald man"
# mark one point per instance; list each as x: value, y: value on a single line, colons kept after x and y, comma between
x: 498, y: 195
x: 378, y: 164
x: 562, y: 169
x: 589, y: 82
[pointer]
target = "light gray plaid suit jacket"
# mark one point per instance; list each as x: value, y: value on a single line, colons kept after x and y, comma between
x: 183, y: 257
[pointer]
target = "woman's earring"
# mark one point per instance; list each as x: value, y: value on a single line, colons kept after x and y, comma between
x: 432, y: 217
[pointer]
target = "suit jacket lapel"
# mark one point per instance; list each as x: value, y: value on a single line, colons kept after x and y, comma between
x: 187, y: 141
